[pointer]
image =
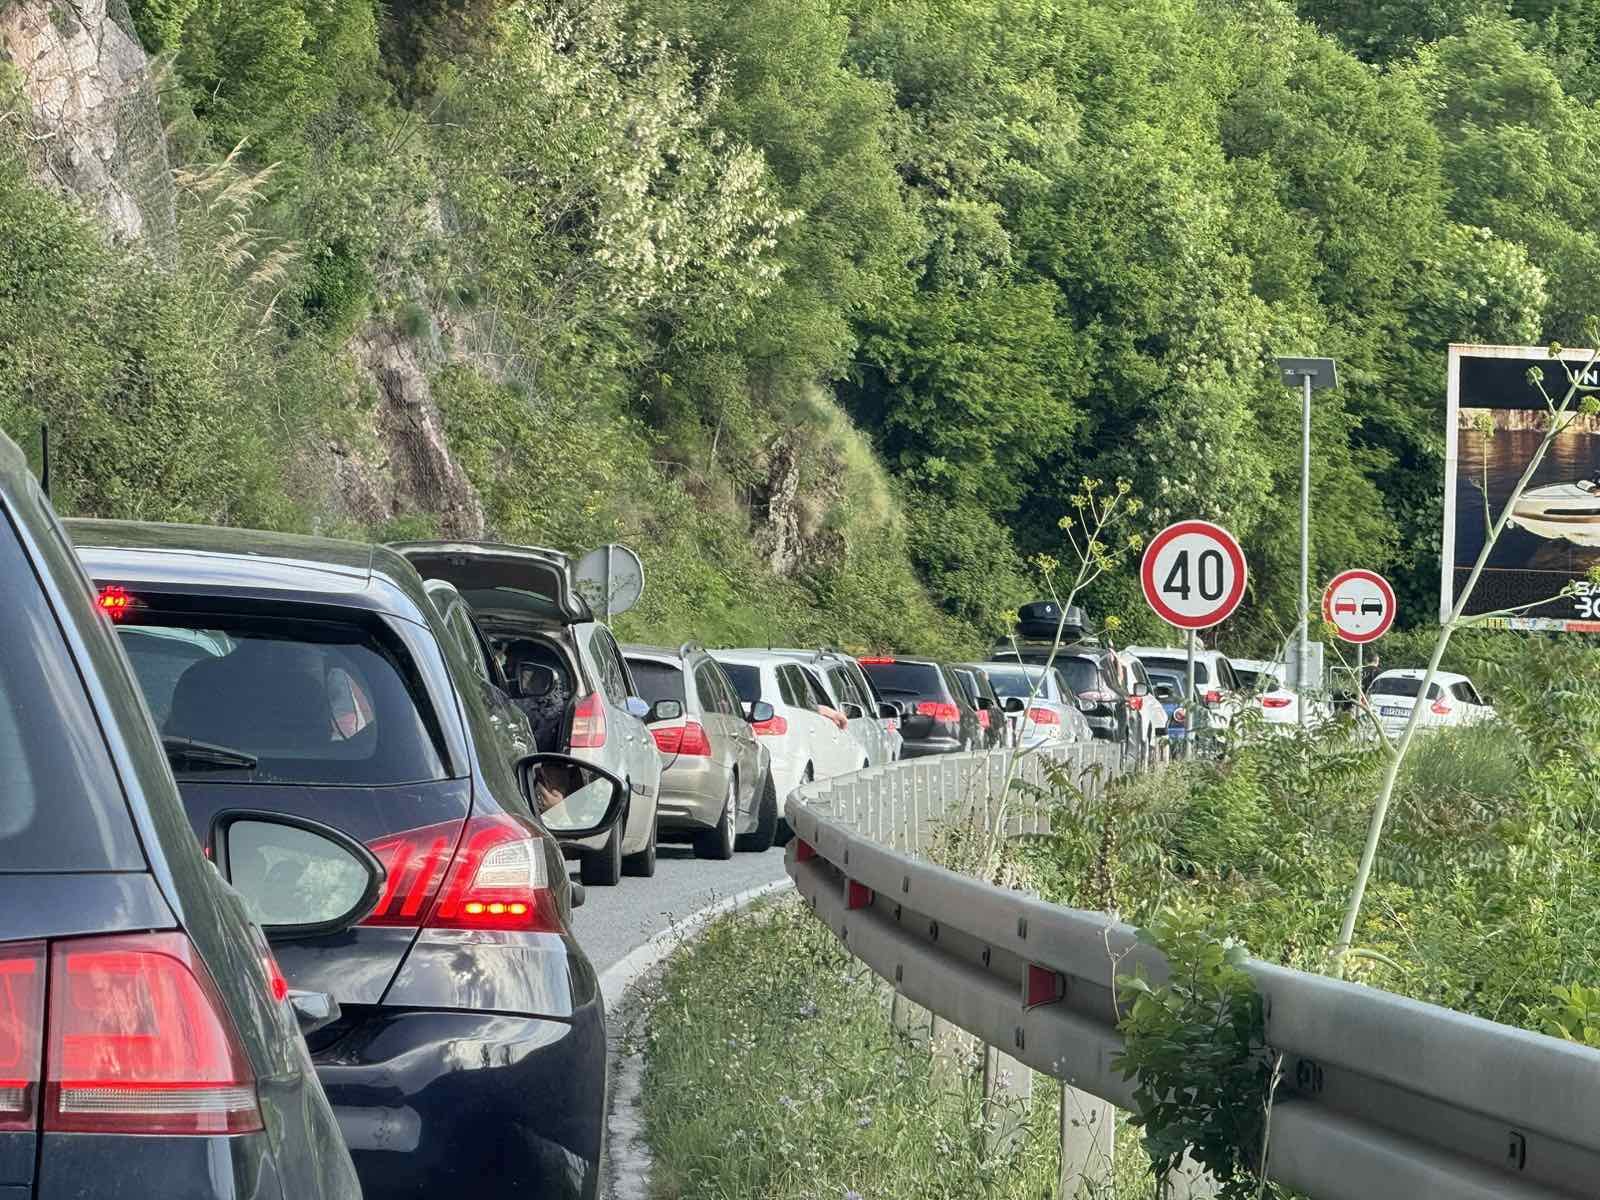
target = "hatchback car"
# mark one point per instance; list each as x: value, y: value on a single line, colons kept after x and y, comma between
x: 1094, y: 676
x: 873, y: 722
x: 1039, y: 705
x: 148, y: 1043
x: 567, y: 673
x: 1451, y: 700
x: 716, y: 776
x: 314, y: 678
x: 1218, y: 690
x: 939, y: 719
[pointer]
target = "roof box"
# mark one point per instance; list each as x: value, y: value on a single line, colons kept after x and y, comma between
x: 1043, y: 618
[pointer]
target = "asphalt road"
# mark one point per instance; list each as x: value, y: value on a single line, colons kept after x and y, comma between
x: 614, y: 920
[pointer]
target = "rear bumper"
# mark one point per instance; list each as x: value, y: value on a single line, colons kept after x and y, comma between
x: 91, y: 1166
x: 924, y: 747
x: 691, y: 795
x: 466, y: 1104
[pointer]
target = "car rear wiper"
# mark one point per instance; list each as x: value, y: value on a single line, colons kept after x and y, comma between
x: 205, y: 756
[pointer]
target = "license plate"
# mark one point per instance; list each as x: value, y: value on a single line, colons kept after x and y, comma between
x: 1395, y: 712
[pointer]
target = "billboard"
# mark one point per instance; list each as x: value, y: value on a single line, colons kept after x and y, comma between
x: 1496, y: 419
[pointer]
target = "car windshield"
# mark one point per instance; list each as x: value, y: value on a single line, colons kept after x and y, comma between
x: 284, y: 700
x: 656, y: 680
x: 1401, y: 685
x: 1015, y: 682
x: 895, y: 678
x: 1177, y: 666
x: 746, y: 680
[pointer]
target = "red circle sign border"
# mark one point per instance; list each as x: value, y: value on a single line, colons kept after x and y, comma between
x: 1370, y: 577
x: 1225, y: 607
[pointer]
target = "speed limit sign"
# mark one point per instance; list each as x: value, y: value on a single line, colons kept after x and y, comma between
x: 1193, y: 574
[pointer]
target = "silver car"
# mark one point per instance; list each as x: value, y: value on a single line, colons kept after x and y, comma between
x: 1040, y: 707
x: 567, y: 674
x: 716, y: 779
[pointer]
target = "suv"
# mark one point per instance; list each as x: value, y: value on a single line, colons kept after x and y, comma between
x: 567, y: 673
x: 870, y: 720
x: 939, y: 719
x: 1095, y: 676
x: 171, y: 1063
x: 1218, y: 689
x: 716, y: 777
x: 314, y: 679
x: 981, y: 695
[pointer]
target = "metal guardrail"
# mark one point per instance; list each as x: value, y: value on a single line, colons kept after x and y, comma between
x: 1381, y: 1096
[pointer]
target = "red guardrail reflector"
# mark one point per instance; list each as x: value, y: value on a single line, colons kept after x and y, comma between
x: 857, y: 895
x: 804, y: 851
x: 1044, y: 986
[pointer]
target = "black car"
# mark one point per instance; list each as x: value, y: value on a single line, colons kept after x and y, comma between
x: 171, y: 1063
x: 981, y: 695
x: 1093, y: 676
x: 938, y: 717
x: 314, y: 678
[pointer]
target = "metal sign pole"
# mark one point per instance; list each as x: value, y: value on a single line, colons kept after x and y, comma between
x: 1305, y: 544
x: 607, y: 602
x: 1188, y: 701
x: 1361, y: 674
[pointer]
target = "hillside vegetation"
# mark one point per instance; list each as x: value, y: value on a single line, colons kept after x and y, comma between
x: 825, y: 305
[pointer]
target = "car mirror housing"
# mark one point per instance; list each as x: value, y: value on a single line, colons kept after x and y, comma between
x: 852, y: 712
x: 663, y: 710
x: 890, y: 710
x: 1015, y: 704
x: 574, y: 799
x: 299, y: 878
x: 759, y: 712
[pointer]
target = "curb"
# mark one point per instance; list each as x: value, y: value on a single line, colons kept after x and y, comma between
x: 627, y: 1164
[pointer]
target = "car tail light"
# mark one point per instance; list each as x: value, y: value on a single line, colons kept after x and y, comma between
x: 940, y: 710
x: 775, y: 726
x: 495, y: 880
x: 1276, y: 701
x: 875, y: 662
x: 588, y: 724
x: 1100, y: 697
x: 1213, y: 697
x: 21, y: 1032
x: 1136, y: 703
x: 1044, y: 716
x: 689, y: 738
x: 114, y: 601
x: 983, y: 717
x: 1439, y: 708
x: 1180, y: 717
x: 140, y: 1042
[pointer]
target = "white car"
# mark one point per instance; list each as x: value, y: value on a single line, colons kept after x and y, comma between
x: 850, y: 691
x: 1217, y: 687
x: 1451, y: 700
x: 805, y: 743
x: 1046, y: 711
x: 1264, y: 687
x: 1147, y: 719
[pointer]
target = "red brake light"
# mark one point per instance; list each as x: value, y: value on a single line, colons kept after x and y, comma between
x: 777, y: 726
x: 1440, y: 709
x: 983, y: 717
x: 414, y: 863
x: 140, y: 1042
x: 1276, y: 701
x: 875, y: 662
x: 939, y: 710
x: 276, y: 983
x: 114, y: 601
x: 1213, y: 697
x: 21, y: 1033
x: 1099, y: 697
x: 1044, y: 716
x: 689, y: 738
x: 588, y: 724
x: 1136, y: 703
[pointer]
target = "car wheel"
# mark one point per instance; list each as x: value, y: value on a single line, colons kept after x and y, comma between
x: 718, y: 843
x: 603, y: 867
x: 765, y: 833
x: 643, y: 864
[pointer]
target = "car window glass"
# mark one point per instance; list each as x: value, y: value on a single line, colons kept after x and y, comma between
x: 900, y: 679
x: 846, y: 688
x: 467, y: 638
x: 61, y: 808
x: 814, y: 689
x: 657, y: 680
x: 1202, y: 676
x: 612, y: 680
x: 746, y: 681
x: 705, y: 685
x: 284, y: 700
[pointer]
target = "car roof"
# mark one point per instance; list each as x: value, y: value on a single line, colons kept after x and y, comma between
x: 203, y: 558
x: 1173, y: 652
x: 1418, y: 673
x: 1255, y: 664
x: 654, y: 653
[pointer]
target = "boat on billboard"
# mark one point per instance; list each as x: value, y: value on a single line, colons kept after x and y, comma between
x: 1496, y: 419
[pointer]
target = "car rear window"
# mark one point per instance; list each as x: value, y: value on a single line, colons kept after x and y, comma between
x: 1178, y: 666
x: 311, y: 701
x: 1400, y: 685
x: 656, y: 680
x: 1019, y: 684
x: 746, y: 680
x: 905, y: 678
x: 1174, y: 680
x: 61, y: 805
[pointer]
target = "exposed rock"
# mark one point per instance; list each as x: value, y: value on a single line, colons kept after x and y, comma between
x: 792, y: 533
x: 415, y: 472
x: 95, y: 126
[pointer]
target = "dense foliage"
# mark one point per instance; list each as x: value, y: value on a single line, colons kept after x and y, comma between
x: 651, y: 248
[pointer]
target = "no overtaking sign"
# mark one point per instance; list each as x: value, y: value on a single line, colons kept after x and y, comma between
x: 1193, y: 574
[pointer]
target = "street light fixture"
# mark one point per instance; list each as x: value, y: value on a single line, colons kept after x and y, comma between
x: 1309, y: 375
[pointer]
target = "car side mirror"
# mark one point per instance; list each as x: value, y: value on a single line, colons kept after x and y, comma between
x: 578, y: 894
x: 534, y: 680
x: 574, y: 799
x: 1015, y: 704
x: 890, y: 710
x: 1141, y: 689
x: 298, y: 877
x: 636, y: 707
x: 663, y: 710
x: 759, y: 712
x: 852, y: 712
x: 985, y: 703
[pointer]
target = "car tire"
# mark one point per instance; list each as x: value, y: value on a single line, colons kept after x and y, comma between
x: 718, y: 843
x: 643, y: 864
x: 761, y: 838
x: 603, y: 867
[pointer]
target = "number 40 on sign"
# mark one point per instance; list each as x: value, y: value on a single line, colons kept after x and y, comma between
x: 1193, y: 574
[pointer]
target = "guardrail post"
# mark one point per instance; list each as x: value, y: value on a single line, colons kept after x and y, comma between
x: 1007, y: 1091
x: 1088, y: 1143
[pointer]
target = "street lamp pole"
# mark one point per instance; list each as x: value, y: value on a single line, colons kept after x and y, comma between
x: 1311, y: 374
